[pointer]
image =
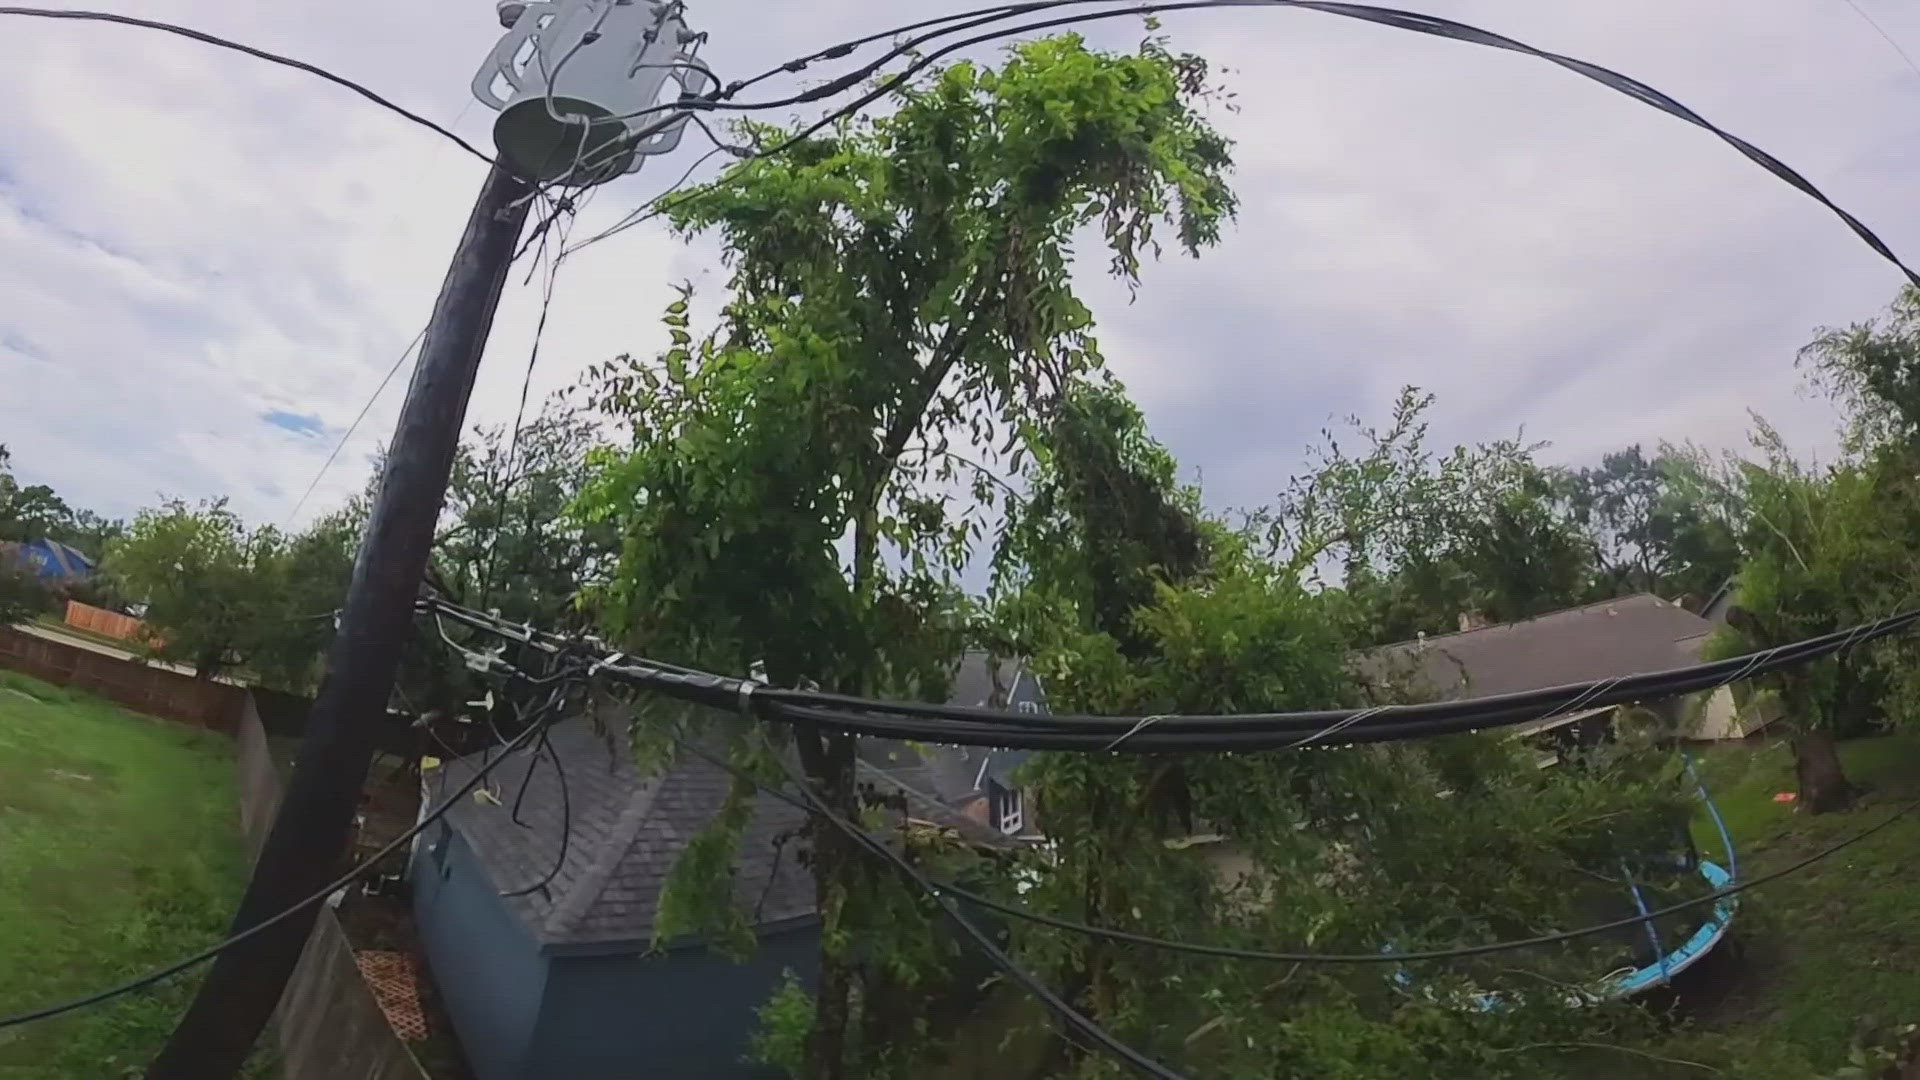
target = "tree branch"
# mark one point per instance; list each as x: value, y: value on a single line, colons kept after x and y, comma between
x: 978, y: 468
x: 1607, y: 1046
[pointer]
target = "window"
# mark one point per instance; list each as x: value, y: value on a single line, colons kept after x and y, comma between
x: 1009, y: 810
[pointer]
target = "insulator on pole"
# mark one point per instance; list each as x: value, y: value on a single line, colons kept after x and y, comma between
x: 579, y: 86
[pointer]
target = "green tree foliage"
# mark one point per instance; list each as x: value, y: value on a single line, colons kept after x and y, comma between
x: 23, y: 595
x: 1420, y: 540
x: 1827, y: 548
x: 1103, y: 522
x: 31, y: 511
x: 508, y: 541
x: 1872, y: 369
x: 34, y: 511
x: 1651, y: 528
x: 900, y: 296
x: 217, y: 594
x: 1458, y: 840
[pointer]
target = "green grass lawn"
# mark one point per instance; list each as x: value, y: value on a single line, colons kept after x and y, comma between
x: 1822, y: 953
x: 119, y: 851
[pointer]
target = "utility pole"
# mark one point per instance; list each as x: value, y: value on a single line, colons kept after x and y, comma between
x: 567, y: 122
x: 302, y: 852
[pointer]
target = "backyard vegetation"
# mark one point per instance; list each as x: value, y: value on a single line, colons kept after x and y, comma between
x: 121, y: 853
x: 1823, y: 964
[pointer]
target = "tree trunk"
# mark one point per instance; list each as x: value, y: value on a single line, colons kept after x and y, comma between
x: 1823, y: 780
x: 828, y: 761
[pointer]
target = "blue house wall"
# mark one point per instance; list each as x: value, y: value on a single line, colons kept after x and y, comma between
x: 687, y: 1014
x: 488, y: 968
x: 524, y: 1015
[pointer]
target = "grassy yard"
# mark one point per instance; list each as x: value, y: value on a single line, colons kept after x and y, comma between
x: 1821, y: 955
x: 119, y: 851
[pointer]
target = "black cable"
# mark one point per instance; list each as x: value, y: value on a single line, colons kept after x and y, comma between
x: 648, y: 210
x: 961, y: 725
x: 355, y: 426
x: 1884, y: 36
x: 260, y: 54
x: 1496, y: 708
x: 1059, y: 1006
x: 519, y: 415
x: 1390, y: 17
x: 566, y: 817
x: 341, y: 882
x: 834, y: 52
x: 977, y: 726
x: 367, y: 406
x: 1230, y: 952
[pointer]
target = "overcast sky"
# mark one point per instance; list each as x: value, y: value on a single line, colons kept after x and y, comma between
x: 210, y: 262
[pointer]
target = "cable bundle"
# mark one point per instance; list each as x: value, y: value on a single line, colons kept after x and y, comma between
x: 965, y: 726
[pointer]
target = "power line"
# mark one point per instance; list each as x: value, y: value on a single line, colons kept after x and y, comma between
x: 1882, y: 31
x: 1060, y: 1007
x: 355, y: 426
x: 1402, y: 20
x: 367, y: 406
x: 965, y: 726
x: 519, y: 414
x: 162, y: 974
x: 248, y: 50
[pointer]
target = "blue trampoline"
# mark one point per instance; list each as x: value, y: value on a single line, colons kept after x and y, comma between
x: 1702, y: 941
x: 1667, y: 964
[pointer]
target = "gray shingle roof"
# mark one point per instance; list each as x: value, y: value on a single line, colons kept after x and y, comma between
x: 628, y: 829
x: 1631, y: 635
x: 954, y: 773
x: 626, y: 832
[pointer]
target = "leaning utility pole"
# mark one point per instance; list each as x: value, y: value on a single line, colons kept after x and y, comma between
x: 569, y: 120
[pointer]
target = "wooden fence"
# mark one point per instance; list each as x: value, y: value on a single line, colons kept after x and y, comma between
x: 106, y: 623
x: 155, y: 691
x: 328, y: 1023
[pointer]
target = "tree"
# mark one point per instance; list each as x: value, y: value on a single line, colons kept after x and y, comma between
x: 1651, y: 530
x: 219, y: 595
x: 1421, y: 541
x: 1872, y: 370
x: 1127, y: 600
x: 508, y: 541
x: 900, y: 315
x: 23, y: 595
x: 1827, y: 548
x: 90, y: 533
x: 30, y: 512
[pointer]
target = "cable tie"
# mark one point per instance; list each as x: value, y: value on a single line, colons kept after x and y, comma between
x: 1136, y: 729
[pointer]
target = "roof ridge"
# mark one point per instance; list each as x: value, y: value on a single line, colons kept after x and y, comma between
x: 1431, y: 639
x: 570, y: 908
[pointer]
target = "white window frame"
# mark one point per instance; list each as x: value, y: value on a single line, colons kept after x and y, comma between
x: 1012, y: 813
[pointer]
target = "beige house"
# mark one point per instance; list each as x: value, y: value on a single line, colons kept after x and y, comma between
x: 1630, y: 635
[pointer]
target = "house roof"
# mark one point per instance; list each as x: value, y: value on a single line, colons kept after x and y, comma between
x: 51, y: 558
x: 956, y: 774
x: 1630, y: 635
x: 1715, y: 609
x: 624, y: 831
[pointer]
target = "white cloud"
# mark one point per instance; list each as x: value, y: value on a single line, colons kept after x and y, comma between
x: 196, y: 239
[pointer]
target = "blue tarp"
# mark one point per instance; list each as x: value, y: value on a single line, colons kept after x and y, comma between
x: 52, y: 559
